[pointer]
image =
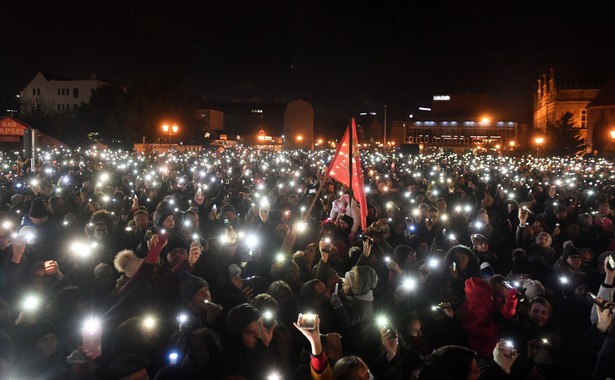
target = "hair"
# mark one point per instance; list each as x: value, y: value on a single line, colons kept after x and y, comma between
x: 448, y: 363
x: 347, y: 367
x: 264, y: 302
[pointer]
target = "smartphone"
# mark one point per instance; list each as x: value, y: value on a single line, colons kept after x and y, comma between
x: 312, y: 191
x: 366, y: 238
x: 604, y: 304
x: 227, y: 223
x: 307, y: 321
x: 337, y: 287
x: 610, y: 263
x: 149, y: 234
x: 268, y: 319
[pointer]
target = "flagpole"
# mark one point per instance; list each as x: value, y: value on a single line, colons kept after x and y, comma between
x: 350, y: 164
x: 323, y: 181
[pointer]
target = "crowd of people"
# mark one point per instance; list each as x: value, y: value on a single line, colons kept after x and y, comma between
x: 252, y: 264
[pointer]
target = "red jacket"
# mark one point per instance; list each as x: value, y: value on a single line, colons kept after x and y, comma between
x: 478, y: 316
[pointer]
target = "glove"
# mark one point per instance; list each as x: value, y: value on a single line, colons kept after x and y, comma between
x: 336, y: 301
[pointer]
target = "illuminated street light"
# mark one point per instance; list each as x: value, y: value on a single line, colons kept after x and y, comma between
x: 170, y: 130
x: 539, y: 141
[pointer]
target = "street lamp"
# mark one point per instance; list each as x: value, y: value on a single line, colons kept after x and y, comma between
x: 539, y: 141
x: 170, y: 130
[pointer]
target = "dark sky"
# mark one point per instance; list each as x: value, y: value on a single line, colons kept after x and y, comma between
x: 343, y: 56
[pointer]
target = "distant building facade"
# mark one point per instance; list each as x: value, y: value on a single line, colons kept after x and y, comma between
x: 457, y: 135
x: 52, y: 94
x: 601, y: 120
x: 552, y: 101
x: 277, y: 124
x: 456, y: 123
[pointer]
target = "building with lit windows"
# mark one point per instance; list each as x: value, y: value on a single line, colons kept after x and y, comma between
x: 551, y: 101
x: 459, y: 135
x: 456, y: 123
x: 52, y: 94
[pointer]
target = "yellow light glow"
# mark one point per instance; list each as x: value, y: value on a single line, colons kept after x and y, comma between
x: 539, y: 140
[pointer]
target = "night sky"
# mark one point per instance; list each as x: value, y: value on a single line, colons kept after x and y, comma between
x: 343, y: 56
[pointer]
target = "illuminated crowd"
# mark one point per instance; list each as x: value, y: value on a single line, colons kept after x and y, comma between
x: 252, y: 264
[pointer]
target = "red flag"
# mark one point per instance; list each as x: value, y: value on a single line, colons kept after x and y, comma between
x: 339, y: 170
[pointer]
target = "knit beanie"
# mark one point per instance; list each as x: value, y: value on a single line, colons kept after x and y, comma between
x: 176, y: 242
x: 38, y: 209
x: 190, y: 285
x: 240, y: 316
x: 570, y: 250
x: 348, y: 219
x: 361, y: 279
x: 160, y: 214
x: 533, y: 288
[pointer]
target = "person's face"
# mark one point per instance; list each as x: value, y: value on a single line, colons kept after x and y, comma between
x: 462, y: 261
x: 414, y: 328
x: 343, y: 225
x: 176, y: 255
x: 561, y: 215
x: 169, y: 222
x: 46, y: 346
x: 574, y: 261
x: 586, y: 257
x: 141, y: 221
x: 38, y: 221
x: 422, y: 249
x: 481, y: 246
x: 544, y: 240
x: 100, y: 232
x: 603, y: 210
x: 433, y: 216
x: 539, y: 314
x: 202, y: 295
x: 310, y: 254
x: 499, y: 293
x: 441, y: 206
x: 586, y: 221
x: 323, y: 294
x: 250, y: 335
x: 488, y: 201
x: 362, y: 373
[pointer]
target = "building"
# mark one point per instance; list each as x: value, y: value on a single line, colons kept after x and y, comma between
x: 52, y: 94
x: 264, y: 124
x: 456, y: 135
x: 601, y: 120
x: 12, y: 135
x: 551, y: 101
x: 456, y: 123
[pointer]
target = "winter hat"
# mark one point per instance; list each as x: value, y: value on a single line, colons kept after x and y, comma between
x: 348, y: 219
x: 533, y: 288
x: 102, y: 270
x: 234, y: 270
x: 227, y: 207
x: 177, y: 242
x: 240, y: 316
x: 161, y: 214
x: 361, y: 279
x: 570, y: 250
x: 190, y: 285
x: 38, y: 209
x: 479, y: 238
